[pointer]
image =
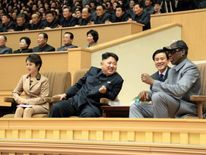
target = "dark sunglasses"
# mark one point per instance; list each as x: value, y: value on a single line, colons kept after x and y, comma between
x: 173, y: 51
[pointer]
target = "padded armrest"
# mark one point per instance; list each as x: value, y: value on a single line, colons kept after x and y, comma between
x: 55, y: 98
x: 9, y: 99
x: 48, y: 99
x: 198, y: 98
x: 104, y: 101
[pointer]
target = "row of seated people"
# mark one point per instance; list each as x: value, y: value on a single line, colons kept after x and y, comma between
x: 24, y: 43
x: 52, y: 21
x: 169, y: 95
x: 21, y: 15
x: 137, y: 13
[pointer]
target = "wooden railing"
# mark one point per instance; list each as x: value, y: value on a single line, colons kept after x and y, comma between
x: 85, y: 136
x: 193, y: 29
x: 107, y: 32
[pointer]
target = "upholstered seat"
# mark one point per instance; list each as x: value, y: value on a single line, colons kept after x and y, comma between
x: 58, y: 83
x: 200, y: 100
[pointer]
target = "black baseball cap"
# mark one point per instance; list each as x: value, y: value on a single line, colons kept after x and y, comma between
x: 179, y: 44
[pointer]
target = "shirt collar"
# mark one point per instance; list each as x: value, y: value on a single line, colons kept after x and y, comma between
x: 38, y: 76
x: 164, y: 73
x: 180, y: 65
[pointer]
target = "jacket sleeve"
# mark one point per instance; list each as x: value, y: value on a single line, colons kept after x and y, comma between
x: 18, y: 90
x: 113, y: 90
x: 182, y: 86
x: 77, y: 86
x: 41, y: 99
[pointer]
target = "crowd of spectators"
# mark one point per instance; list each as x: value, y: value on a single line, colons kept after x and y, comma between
x: 45, y: 14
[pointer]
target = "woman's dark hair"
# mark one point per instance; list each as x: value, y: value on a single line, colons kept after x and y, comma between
x: 36, y: 59
x: 27, y: 39
x: 94, y: 34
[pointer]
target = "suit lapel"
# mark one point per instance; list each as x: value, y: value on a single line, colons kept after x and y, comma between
x: 33, y: 83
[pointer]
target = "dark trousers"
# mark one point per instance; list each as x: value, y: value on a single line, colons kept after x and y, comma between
x: 67, y: 108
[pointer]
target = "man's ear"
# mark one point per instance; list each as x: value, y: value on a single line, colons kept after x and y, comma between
x: 183, y: 52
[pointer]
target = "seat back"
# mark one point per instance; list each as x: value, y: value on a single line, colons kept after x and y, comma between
x: 202, y: 69
x: 78, y: 75
x: 58, y: 82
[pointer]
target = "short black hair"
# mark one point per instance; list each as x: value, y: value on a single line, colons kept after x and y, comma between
x: 50, y: 12
x: 45, y: 35
x: 103, y: 7
x: 94, y: 34
x: 109, y: 54
x: 160, y: 51
x: 36, y: 59
x: 71, y: 35
x: 141, y: 5
x: 7, y: 15
x: 120, y: 6
x: 27, y: 39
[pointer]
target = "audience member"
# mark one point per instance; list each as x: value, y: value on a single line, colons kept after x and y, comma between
x: 83, y: 99
x: 141, y: 17
x: 36, y: 22
x: 172, y: 98
x: 86, y: 17
x: 92, y: 38
x: 24, y: 43
x: 161, y: 60
x: 148, y: 6
x: 42, y: 44
x: 67, y: 20
x: 3, y: 48
x: 36, y: 89
x: 101, y: 16
x: 50, y: 21
x: 120, y: 14
x: 67, y: 40
x: 7, y: 25
x: 21, y: 23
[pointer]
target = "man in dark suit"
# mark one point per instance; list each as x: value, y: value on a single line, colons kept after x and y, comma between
x: 140, y: 16
x: 68, y: 39
x: 3, y: 48
x: 83, y: 99
x: 42, y: 44
x: 101, y: 16
x: 161, y: 60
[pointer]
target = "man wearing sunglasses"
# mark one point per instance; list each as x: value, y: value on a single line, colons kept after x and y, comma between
x: 172, y: 98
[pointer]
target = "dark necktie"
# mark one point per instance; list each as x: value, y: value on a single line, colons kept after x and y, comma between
x: 161, y: 77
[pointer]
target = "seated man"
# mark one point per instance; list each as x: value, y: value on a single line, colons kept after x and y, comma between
x: 21, y: 23
x: 7, y: 25
x: 42, y: 44
x: 68, y: 39
x: 172, y: 98
x: 140, y: 16
x: 120, y: 14
x: 3, y: 48
x: 83, y: 99
x: 161, y: 60
x: 101, y: 16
